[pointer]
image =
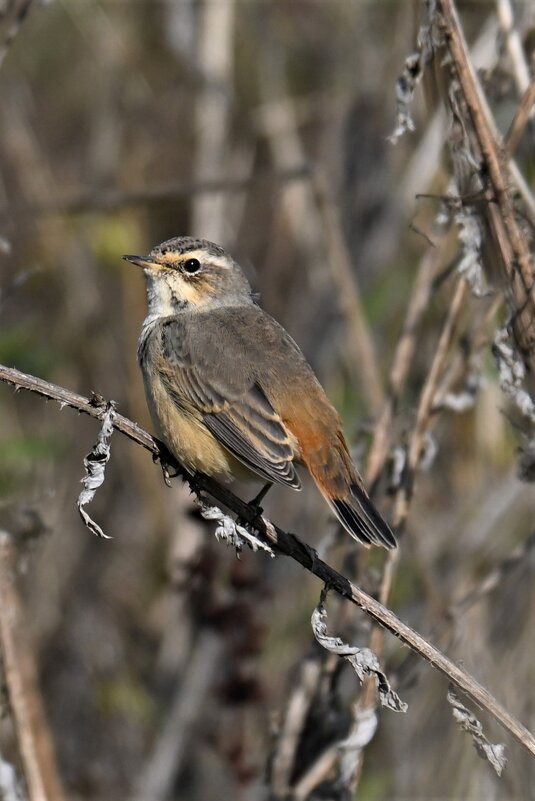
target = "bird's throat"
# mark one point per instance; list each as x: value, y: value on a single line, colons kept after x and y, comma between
x: 163, y: 297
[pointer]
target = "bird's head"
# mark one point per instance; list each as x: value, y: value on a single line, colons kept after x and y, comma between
x: 185, y: 273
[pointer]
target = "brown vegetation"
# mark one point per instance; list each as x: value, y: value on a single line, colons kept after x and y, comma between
x: 166, y: 667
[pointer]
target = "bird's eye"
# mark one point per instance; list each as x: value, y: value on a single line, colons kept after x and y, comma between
x: 192, y: 265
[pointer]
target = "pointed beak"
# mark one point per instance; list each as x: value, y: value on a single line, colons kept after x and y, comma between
x: 144, y: 262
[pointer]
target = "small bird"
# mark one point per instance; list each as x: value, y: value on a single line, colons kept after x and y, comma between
x: 230, y: 392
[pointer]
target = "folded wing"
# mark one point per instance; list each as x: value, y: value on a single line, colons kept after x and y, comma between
x: 231, y: 403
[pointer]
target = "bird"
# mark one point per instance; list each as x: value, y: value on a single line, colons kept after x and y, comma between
x: 231, y: 394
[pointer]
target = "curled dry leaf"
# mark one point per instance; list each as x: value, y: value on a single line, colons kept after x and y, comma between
x: 363, y: 660
x: 512, y: 373
x: 362, y: 732
x: 405, y: 87
x: 494, y: 753
x: 428, y: 39
x: 464, y: 398
x: 398, y: 464
x: 231, y: 532
x: 471, y: 265
x: 95, y: 465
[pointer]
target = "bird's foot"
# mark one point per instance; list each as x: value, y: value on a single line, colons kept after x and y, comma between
x: 254, y: 504
x: 166, y: 467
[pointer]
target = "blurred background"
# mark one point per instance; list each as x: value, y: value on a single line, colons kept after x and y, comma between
x: 262, y: 126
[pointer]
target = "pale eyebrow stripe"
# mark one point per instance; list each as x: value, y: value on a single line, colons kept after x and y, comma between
x: 176, y: 258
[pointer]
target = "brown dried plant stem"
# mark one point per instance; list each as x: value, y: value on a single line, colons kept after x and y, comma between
x: 422, y: 425
x: 288, y: 544
x: 427, y: 398
x: 313, y: 219
x: 515, y: 260
x: 292, y: 726
x: 519, y: 122
x: 34, y: 739
x: 215, y: 53
x: 419, y: 300
x: 513, y: 43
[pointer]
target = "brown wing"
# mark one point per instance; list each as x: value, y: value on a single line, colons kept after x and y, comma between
x: 206, y: 373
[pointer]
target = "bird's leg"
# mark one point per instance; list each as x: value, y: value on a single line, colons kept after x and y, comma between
x: 256, y: 501
x: 165, y: 459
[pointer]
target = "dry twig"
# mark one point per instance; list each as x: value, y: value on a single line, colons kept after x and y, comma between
x: 515, y: 260
x: 402, y: 360
x: 368, y: 699
x: 427, y: 397
x: 513, y: 42
x: 289, y: 545
x: 294, y: 721
x: 35, y: 742
x: 215, y: 53
x: 520, y: 120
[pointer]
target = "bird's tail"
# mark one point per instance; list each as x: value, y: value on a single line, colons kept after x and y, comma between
x: 360, y: 518
x: 327, y: 457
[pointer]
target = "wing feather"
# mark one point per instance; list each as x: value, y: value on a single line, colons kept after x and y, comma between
x: 234, y: 407
x: 249, y: 449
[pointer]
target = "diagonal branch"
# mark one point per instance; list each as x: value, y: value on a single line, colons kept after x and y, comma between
x: 287, y: 544
x: 515, y: 261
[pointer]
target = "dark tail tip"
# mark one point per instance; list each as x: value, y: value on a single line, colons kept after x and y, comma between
x: 362, y: 520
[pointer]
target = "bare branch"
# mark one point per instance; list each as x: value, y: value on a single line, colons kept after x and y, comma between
x: 407, y: 342
x: 427, y: 397
x: 289, y: 545
x: 215, y: 53
x: 515, y: 260
x: 35, y: 742
x: 294, y: 721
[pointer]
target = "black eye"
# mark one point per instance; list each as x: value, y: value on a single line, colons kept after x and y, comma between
x: 192, y: 265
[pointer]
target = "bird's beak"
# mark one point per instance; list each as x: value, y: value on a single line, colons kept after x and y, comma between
x: 144, y: 262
